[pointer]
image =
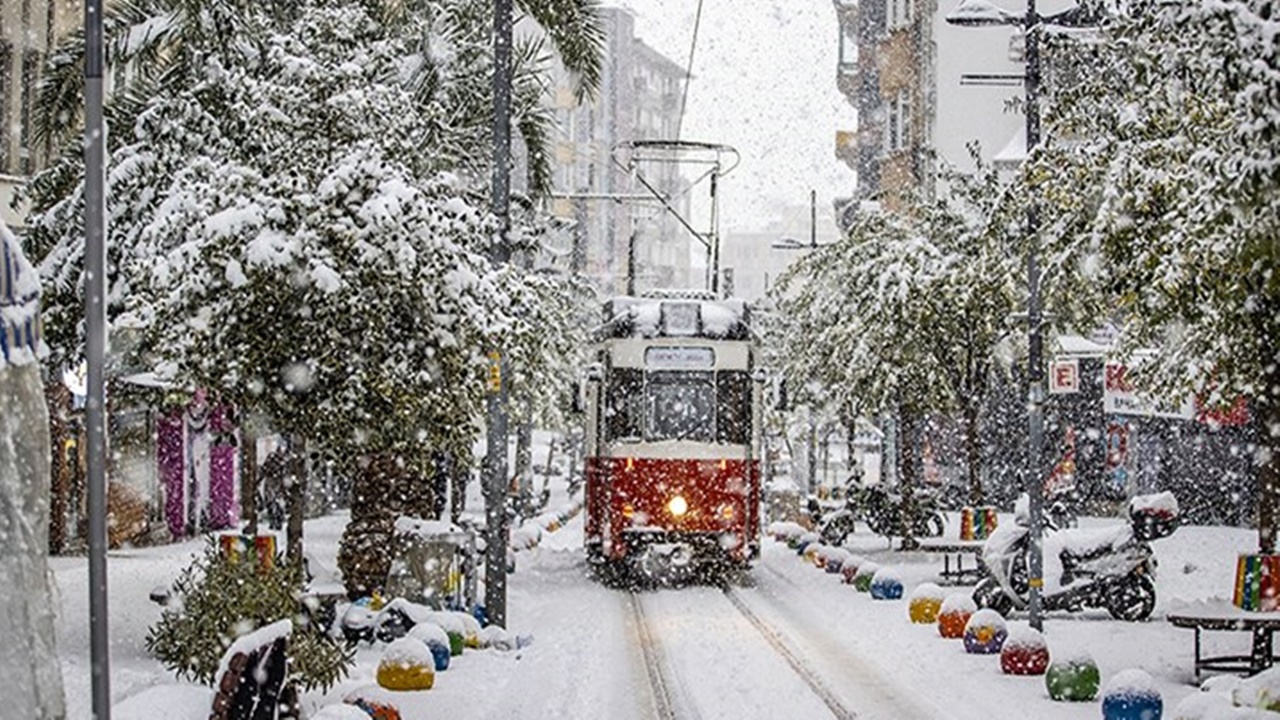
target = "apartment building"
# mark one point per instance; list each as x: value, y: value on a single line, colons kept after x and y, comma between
x: 618, y: 224
x: 908, y: 74
x: 28, y: 31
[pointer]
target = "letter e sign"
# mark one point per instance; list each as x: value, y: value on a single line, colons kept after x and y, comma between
x: 1064, y: 376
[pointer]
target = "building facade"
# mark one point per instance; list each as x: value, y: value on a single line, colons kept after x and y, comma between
x: 617, y: 223
x: 28, y: 31
x: 909, y: 76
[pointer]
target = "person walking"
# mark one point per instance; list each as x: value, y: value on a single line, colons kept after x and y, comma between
x: 28, y: 656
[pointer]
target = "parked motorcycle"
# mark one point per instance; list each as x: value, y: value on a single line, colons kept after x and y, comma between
x: 881, y: 510
x: 1111, y: 568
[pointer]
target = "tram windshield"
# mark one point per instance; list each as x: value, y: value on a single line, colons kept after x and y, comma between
x: 680, y: 406
x: 703, y: 406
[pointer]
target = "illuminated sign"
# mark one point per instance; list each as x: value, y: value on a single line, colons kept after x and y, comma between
x: 679, y: 358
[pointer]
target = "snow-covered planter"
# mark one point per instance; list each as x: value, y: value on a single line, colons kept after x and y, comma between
x: 804, y: 541
x: 985, y: 632
x: 1131, y: 695
x: 1025, y: 652
x: 954, y: 615
x: 407, y: 665
x: 886, y: 584
x: 926, y: 603
x: 1073, y: 678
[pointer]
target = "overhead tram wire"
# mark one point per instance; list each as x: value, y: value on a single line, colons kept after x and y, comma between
x: 688, y: 72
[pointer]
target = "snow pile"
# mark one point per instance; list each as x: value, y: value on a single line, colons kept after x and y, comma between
x: 960, y: 602
x: 1025, y: 637
x: 1260, y: 691
x: 783, y: 531
x: 928, y: 591
x: 425, y: 529
x: 340, y: 712
x: 408, y: 652
x: 429, y: 633
x: 1163, y: 504
x: 984, y: 618
x: 886, y: 574
x: 526, y: 537
x: 497, y: 637
x: 174, y: 702
x: 1131, y: 683
x: 720, y: 318
x: 251, y: 642
x: 20, y: 339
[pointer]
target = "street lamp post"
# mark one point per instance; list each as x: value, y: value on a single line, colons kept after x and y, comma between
x: 979, y: 13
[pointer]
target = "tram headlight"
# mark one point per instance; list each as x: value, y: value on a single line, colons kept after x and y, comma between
x: 677, y: 506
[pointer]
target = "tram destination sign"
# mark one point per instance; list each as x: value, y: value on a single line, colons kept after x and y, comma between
x: 679, y: 358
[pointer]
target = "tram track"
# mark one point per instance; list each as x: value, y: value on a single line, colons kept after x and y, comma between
x: 659, y: 684
x: 670, y: 702
x: 798, y: 665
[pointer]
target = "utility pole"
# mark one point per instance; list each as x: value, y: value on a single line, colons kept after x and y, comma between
x: 495, y: 465
x: 95, y: 266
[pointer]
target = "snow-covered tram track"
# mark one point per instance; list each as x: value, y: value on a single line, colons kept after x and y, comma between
x: 663, y: 702
x: 801, y: 668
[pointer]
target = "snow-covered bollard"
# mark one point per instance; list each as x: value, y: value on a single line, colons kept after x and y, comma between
x: 836, y: 558
x: 954, y: 615
x: 436, y: 640
x: 497, y: 637
x: 886, y: 584
x: 849, y: 570
x: 926, y: 603
x: 406, y: 664
x: 1073, y: 678
x: 1024, y: 652
x: 866, y: 572
x: 1131, y: 695
x: 453, y: 625
x: 816, y: 553
x: 985, y: 632
x: 804, y: 541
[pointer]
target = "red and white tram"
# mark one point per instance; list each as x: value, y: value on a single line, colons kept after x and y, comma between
x: 673, y: 436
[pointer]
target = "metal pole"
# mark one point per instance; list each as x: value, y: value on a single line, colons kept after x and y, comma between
x: 1035, y: 343
x: 495, y: 480
x: 95, y: 254
x: 813, y: 218
x: 715, y: 236
x: 811, y: 450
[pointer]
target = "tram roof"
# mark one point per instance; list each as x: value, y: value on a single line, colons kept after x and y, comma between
x: 677, y: 314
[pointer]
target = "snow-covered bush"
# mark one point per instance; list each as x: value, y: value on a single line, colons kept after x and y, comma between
x: 219, y: 600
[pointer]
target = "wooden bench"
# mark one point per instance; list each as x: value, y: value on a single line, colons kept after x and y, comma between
x: 1228, y: 618
x: 955, y: 551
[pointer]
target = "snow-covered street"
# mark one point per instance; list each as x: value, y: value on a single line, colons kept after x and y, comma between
x: 843, y: 653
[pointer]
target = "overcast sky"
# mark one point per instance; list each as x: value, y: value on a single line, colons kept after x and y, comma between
x: 764, y: 82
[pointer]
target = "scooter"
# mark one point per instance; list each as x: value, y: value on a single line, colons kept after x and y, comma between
x: 1112, y: 568
x: 881, y: 510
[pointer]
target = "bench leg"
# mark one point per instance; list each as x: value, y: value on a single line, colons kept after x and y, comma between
x: 1197, y: 663
x: 1260, y: 657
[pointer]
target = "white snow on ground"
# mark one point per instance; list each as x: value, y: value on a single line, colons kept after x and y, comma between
x: 584, y: 659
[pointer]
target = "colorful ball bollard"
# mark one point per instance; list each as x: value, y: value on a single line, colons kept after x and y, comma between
x: 925, y: 603
x: 886, y: 585
x: 1024, y: 652
x: 836, y: 558
x: 954, y: 615
x: 849, y: 570
x: 985, y: 632
x: 406, y: 665
x: 866, y: 572
x: 436, y: 640
x: 1073, y: 679
x: 1131, y: 695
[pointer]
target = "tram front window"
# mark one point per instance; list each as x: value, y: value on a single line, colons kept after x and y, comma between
x: 681, y: 406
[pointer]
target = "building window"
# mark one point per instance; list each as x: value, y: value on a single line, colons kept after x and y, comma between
x: 848, y: 45
x: 898, y: 125
x: 899, y: 13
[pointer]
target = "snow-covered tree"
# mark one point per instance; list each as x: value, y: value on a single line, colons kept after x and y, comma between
x: 1161, y: 178
x: 905, y: 312
x: 296, y: 201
